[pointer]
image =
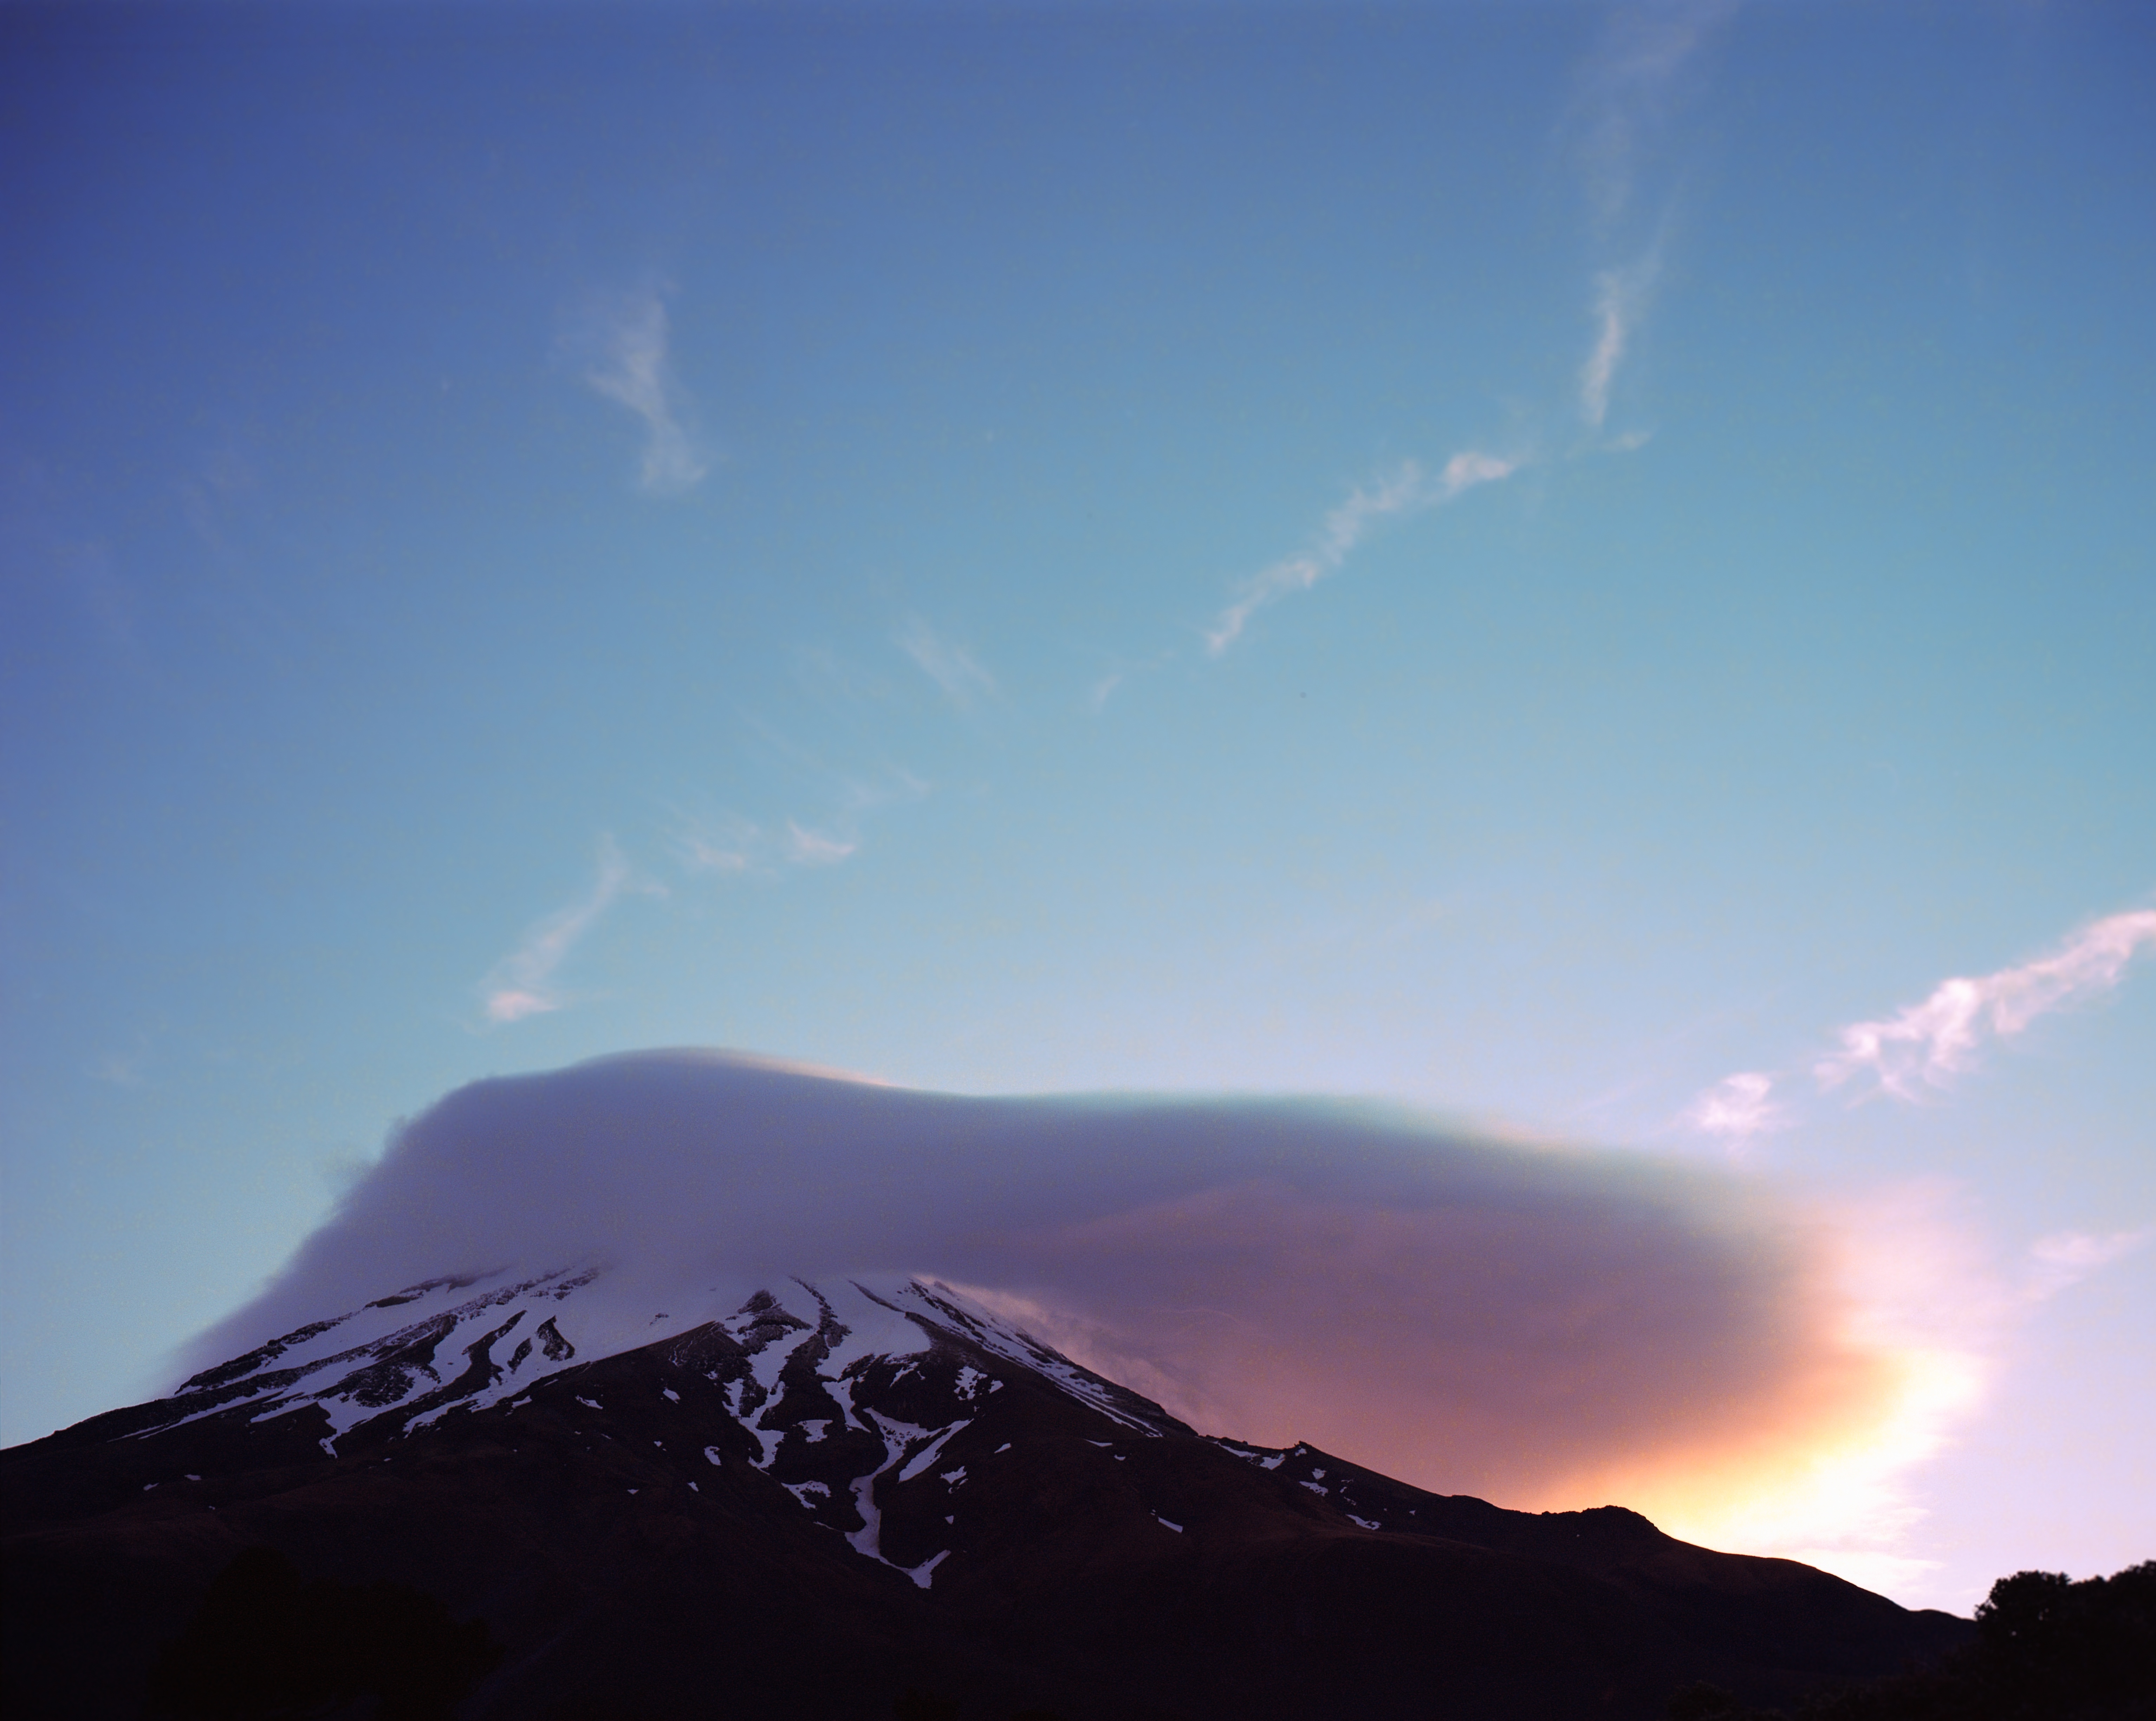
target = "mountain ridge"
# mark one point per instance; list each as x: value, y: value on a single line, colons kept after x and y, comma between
x: 845, y: 1490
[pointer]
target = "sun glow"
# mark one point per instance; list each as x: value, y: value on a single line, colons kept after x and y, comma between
x: 1916, y: 1316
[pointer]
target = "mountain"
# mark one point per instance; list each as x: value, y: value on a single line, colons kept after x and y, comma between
x: 848, y: 1499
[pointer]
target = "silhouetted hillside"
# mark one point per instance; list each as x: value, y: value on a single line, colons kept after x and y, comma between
x: 2046, y: 1649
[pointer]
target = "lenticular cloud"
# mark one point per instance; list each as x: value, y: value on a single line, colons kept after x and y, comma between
x: 1472, y: 1314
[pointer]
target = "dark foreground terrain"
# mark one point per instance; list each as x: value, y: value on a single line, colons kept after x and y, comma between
x: 689, y: 1530
x: 2046, y: 1649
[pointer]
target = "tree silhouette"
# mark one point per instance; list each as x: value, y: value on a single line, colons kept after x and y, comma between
x: 2047, y: 1646
x: 2046, y: 1649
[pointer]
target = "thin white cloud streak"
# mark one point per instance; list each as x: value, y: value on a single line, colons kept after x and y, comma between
x: 814, y: 848
x: 1736, y: 1108
x: 950, y: 666
x: 521, y: 984
x: 1626, y: 90
x: 2067, y: 1257
x: 731, y: 845
x: 1620, y: 301
x: 1409, y: 489
x: 1913, y: 1282
x: 1627, y: 86
x: 700, y: 853
x: 738, y: 847
x: 847, y: 790
x: 1120, y: 671
x: 634, y: 373
x: 1928, y: 1044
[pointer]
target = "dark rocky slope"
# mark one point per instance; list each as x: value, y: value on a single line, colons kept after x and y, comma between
x: 720, y: 1524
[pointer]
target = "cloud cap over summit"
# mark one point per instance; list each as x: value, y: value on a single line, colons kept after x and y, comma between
x: 1477, y: 1315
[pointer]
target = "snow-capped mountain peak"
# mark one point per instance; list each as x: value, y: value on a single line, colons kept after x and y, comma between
x: 790, y: 1364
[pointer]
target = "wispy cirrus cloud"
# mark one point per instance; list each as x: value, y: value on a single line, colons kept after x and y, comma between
x: 738, y: 847
x: 2067, y: 1257
x: 726, y: 843
x: 1407, y: 489
x: 1628, y: 87
x: 1118, y: 671
x: 1925, y: 1045
x: 1922, y: 1048
x: 522, y: 983
x: 947, y: 664
x: 1737, y: 1108
x: 1626, y: 90
x: 1919, y: 1288
x: 1098, y: 694
x: 631, y: 368
x: 1620, y: 301
x: 809, y: 848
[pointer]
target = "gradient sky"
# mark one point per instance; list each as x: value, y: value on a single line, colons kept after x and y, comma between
x: 1551, y: 562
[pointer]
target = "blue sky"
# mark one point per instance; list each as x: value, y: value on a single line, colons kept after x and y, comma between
x: 1528, y: 559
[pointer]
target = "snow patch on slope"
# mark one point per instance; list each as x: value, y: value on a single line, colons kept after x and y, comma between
x: 946, y: 1309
